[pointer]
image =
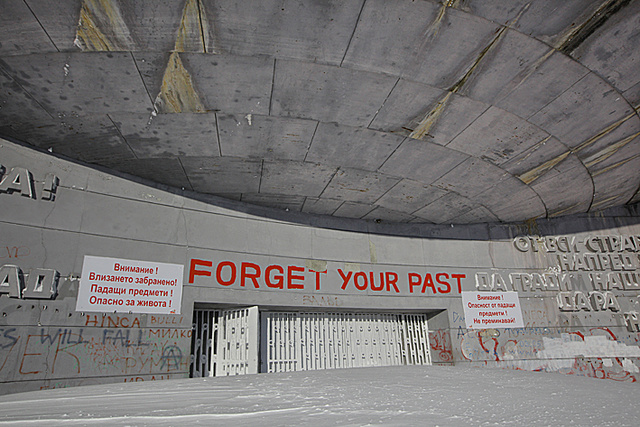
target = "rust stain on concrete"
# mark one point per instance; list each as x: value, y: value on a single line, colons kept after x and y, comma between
x: 535, y: 173
x: 193, y: 31
x: 608, y: 151
x: 177, y: 94
x: 431, y: 117
x: 101, y: 27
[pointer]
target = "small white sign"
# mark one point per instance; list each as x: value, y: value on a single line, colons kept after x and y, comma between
x: 490, y: 310
x: 121, y: 285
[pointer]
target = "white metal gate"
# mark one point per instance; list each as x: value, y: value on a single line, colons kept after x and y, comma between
x: 225, y: 342
x: 305, y: 341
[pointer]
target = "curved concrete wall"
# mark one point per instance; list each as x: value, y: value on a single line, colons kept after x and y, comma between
x: 578, y: 285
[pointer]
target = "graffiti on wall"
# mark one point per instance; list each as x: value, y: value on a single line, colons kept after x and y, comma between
x: 153, y: 347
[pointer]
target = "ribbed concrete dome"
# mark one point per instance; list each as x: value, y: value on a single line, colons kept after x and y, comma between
x: 401, y: 111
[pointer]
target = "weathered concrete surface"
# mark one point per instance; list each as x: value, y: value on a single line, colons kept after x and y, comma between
x: 577, y: 278
x: 159, y: 89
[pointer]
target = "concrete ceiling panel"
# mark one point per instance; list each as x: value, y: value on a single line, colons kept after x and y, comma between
x: 20, y: 32
x: 215, y: 175
x: 16, y: 105
x: 410, y: 102
x: 358, y: 186
x: 59, y: 22
x: 81, y: 83
x: 633, y: 96
x: 508, y: 192
x: 506, y: 63
x: 474, y: 216
x: 408, y: 196
x: 359, y: 148
x: 537, y: 86
x: 498, y: 136
x: 279, y: 201
x: 471, y: 177
x: 408, y: 111
x: 591, y: 98
x: 387, y: 215
x: 617, y: 143
x: 616, y: 185
x: 296, y: 178
x: 168, y: 135
x: 328, y: 94
x: 152, y: 67
x: 547, y: 20
x: 537, y: 160
x: 88, y: 138
x: 455, y: 43
x: 422, y: 161
x: 371, y: 47
x: 353, y: 210
x: 166, y: 171
x: 446, y: 208
x: 320, y: 206
x: 569, y: 175
x: 521, y: 210
x: 233, y: 84
x: 317, y: 31
x: 266, y: 137
x: 613, y: 50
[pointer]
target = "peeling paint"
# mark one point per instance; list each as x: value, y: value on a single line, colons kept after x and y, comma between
x: 316, y: 265
x: 608, y: 151
x: 531, y: 150
x: 101, y: 27
x: 574, y: 36
x: 615, y: 165
x: 603, y: 133
x: 535, y: 173
x: 177, y: 94
x: 193, y: 31
x: 432, y: 116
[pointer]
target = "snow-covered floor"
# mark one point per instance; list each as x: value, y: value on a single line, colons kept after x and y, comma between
x: 406, y: 395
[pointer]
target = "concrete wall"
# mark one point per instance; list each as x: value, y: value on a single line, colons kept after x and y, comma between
x: 47, y: 230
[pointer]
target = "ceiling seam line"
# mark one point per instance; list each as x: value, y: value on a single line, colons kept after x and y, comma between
x: 329, y: 182
x: 186, y: 175
x: 311, y: 141
x: 41, y: 26
x: 273, y: 84
x: 391, y: 155
x: 135, y: 64
x: 261, y: 172
x: 355, y: 27
x: 217, y: 123
x: 122, y: 136
x: 383, y: 102
x: 33, y: 98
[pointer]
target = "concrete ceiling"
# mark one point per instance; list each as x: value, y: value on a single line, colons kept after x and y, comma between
x: 401, y: 111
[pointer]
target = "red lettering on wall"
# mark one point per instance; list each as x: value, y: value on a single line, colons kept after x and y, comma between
x: 447, y: 287
x: 279, y: 283
x: 245, y: 274
x: 194, y: 272
x: 291, y: 277
x: 232, y: 275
